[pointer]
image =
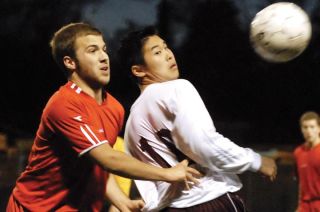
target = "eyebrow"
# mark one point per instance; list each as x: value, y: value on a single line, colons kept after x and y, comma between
x: 156, y: 46
x: 96, y: 46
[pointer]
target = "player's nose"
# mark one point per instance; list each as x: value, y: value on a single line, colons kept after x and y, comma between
x: 104, y: 57
x: 169, y: 55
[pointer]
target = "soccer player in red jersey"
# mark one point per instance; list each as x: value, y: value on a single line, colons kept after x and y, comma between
x: 307, y: 157
x: 72, y: 149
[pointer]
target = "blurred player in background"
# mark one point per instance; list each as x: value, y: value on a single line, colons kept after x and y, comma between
x: 169, y: 122
x: 72, y: 149
x: 307, y: 157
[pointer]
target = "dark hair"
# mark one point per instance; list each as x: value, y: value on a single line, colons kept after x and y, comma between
x: 63, y: 41
x: 310, y: 115
x: 130, y: 51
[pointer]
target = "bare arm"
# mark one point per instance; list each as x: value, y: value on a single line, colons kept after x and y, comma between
x: 119, y: 200
x: 124, y: 165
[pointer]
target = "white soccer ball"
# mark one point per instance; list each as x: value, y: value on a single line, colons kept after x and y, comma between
x: 280, y: 32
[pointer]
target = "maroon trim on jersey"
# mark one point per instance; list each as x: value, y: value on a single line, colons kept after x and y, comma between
x: 166, y: 138
x: 147, y: 148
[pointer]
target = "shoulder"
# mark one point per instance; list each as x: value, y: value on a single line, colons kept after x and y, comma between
x: 182, y: 82
x: 114, y: 103
x: 165, y: 93
x: 64, y: 96
x: 61, y: 103
x: 298, y: 149
x: 178, y: 83
x: 112, y: 99
x: 183, y: 85
x: 164, y: 87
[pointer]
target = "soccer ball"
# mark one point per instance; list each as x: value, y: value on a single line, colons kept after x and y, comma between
x: 280, y: 32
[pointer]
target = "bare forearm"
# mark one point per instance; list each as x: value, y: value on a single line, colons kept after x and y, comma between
x: 114, y: 194
x: 124, y: 165
x: 120, y: 202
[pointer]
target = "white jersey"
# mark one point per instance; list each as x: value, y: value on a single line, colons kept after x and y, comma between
x: 169, y: 122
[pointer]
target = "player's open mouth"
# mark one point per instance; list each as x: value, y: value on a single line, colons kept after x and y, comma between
x: 173, y: 66
x: 105, y: 68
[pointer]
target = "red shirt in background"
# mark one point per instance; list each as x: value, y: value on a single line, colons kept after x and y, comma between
x: 308, y: 167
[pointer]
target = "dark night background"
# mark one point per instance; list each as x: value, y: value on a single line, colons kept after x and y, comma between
x: 251, y: 101
x: 245, y: 95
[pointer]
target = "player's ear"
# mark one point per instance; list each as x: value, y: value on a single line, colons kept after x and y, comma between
x: 69, y: 63
x: 138, y: 71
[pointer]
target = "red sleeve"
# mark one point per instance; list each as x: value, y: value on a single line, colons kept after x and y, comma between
x: 72, y: 121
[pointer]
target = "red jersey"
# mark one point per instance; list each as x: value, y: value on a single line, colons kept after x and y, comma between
x: 308, y: 166
x: 58, y: 177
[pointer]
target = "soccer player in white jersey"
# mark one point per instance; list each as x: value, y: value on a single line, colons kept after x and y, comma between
x: 169, y: 122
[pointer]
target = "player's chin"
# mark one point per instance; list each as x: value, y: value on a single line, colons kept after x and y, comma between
x: 105, y: 80
x: 175, y: 74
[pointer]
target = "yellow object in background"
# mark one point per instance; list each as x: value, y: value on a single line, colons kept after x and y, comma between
x: 124, y: 183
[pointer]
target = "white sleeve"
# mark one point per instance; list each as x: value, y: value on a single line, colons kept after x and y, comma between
x: 195, y: 135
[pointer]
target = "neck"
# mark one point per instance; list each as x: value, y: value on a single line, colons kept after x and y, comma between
x: 142, y: 87
x: 95, y: 92
x: 313, y: 143
x: 145, y: 82
x: 97, y: 95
